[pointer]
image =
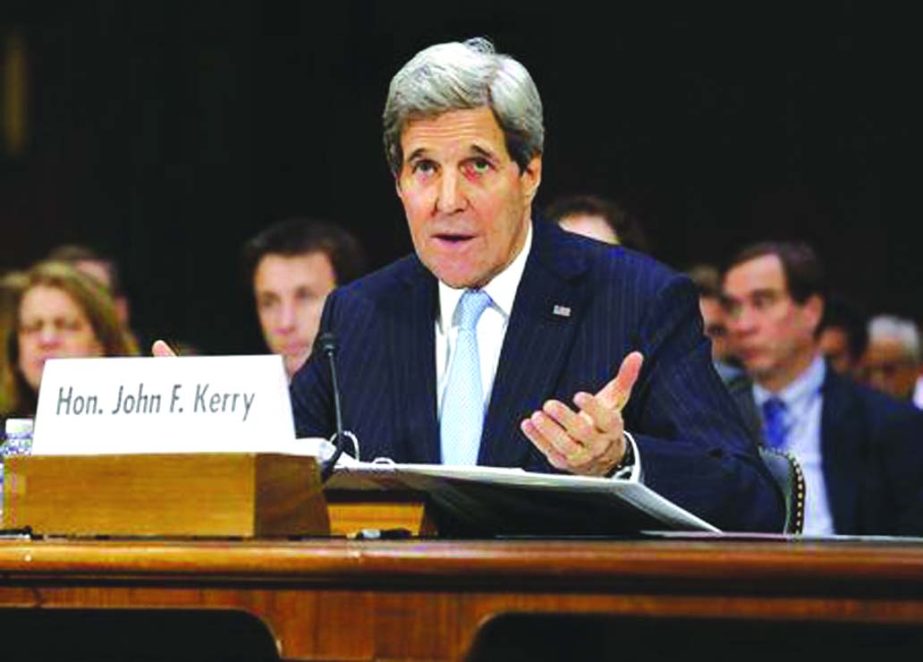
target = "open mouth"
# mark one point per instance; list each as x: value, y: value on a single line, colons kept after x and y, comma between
x: 453, y: 238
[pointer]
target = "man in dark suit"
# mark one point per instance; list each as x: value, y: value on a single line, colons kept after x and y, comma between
x: 497, y: 314
x: 861, y: 451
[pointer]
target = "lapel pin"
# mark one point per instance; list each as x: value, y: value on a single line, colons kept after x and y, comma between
x: 561, y: 311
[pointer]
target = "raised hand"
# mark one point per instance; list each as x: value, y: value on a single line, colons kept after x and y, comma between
x: 589, y: 441
x: 160, y: 349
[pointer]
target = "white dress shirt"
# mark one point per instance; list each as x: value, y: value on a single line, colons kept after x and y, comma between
x: 491, y: 330
x: 491, y: 327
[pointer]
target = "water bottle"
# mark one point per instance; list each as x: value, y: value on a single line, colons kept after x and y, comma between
x: 17, y: 441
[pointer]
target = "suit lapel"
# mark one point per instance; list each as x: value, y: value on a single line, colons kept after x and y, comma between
x: 548, y: 308
x: 841, y: 448
x: 415, y: 358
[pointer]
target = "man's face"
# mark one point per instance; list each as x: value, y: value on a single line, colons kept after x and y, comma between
x: 771, y: 333
x: 714, y: 319
x: 887, y: 367
x: 590, y: 225
x: 834, y: 345
x: 51, y: 325
x: 467, y: 204
x: 290, y: 293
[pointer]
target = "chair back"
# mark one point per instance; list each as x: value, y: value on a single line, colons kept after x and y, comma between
x: 787, y: 472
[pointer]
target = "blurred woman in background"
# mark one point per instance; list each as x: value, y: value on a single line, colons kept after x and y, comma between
x: 59, y: 312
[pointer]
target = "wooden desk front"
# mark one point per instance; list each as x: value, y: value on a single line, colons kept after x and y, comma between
x: 340, y: 599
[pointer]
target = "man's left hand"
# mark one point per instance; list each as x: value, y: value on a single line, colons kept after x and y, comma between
x: 590, y: 441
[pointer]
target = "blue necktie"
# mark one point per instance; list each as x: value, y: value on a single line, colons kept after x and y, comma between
x: 463, y: 403
x: 774, y: 425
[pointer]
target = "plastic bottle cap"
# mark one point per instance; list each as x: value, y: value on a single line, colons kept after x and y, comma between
x: 19, y: 427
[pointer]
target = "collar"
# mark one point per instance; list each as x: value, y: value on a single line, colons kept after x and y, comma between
x: 501, y: 289
x: 799, y: 394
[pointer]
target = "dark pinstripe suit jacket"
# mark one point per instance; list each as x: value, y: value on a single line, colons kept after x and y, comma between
x: 694, y: 446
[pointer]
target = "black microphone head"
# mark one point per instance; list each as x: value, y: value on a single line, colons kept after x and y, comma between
x: 326, y: 342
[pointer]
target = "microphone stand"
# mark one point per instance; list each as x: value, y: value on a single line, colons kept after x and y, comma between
x: 327, y: 344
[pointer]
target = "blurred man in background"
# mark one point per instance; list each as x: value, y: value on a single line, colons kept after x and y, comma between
x: 892, y: 360
x: 860, y: 450
x: 707, y: 280
x: 598, y: 218
x: 292, y: 266
x: 843, y: 336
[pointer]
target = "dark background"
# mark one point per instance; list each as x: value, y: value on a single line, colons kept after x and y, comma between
x: 169, y: 132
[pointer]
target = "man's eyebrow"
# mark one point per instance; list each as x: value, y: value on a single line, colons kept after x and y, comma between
x: 419, y: 152
x: 477, y: 149
x: 727, y: 298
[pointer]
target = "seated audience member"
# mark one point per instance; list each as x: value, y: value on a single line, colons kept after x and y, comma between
x: 860, y: 449
x: 101, y: 267
x: 707, y: 280
x: 292, y: 266
x: 11, y: 286
x: 892, y: 359
x: 600, y: 219
x: 843, y: 335
x: 60, y: 312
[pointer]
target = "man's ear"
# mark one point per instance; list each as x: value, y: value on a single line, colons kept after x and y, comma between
x: 531, y: 177
x: 814, y: 311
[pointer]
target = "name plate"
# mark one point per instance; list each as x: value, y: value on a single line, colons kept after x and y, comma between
x: 195, y: 404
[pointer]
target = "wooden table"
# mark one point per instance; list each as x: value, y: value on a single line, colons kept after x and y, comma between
x: 415, y: 599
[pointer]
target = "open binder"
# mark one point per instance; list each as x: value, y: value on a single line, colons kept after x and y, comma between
x: 491, y: 501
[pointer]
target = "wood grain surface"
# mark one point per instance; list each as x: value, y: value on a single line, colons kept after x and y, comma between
x: 347, y: 599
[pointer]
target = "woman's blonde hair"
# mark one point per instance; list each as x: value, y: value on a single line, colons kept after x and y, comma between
x: 16, y: 396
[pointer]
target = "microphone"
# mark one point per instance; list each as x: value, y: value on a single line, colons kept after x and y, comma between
x: 326, y: 343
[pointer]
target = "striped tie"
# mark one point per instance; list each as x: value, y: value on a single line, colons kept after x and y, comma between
x: 774, y: 426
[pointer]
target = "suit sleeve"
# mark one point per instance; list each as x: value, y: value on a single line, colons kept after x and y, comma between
x: 898, y: 452
x: 311, y: 389
x: 695, y: 447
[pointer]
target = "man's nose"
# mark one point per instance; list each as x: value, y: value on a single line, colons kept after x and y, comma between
x: 742, y: 321
x: 451, y: 193
x: 286, y: 319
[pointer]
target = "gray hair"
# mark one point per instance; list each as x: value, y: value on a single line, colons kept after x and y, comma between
x: 890, y: 327
x: 463, y: 76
